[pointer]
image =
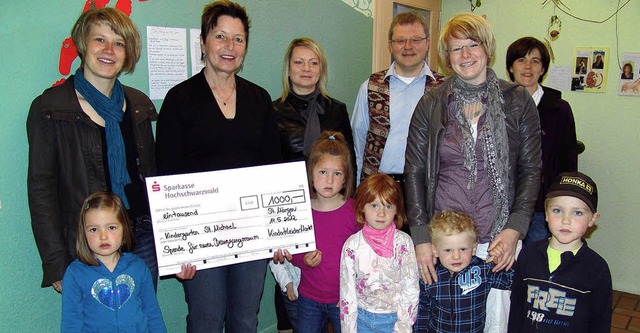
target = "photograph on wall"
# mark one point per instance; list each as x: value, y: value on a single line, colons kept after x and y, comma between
x: 590, y: 73
x: 629, y: 74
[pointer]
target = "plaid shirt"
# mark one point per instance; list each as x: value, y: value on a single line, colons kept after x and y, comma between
x: 457, y: 303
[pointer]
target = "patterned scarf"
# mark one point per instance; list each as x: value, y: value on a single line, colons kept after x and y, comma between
x: 310, y: 115
x: 110, y: 109
x: 493, y: 137
x: 381, y: 241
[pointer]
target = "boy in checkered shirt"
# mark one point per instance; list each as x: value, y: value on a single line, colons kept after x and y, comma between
x: 457, y: 301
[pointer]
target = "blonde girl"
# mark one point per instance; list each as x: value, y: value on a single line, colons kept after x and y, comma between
x: 107, y: 288
x: 330, y: 173
x: 378, y: 269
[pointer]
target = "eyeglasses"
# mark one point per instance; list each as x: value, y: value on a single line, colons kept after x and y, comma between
x: 474, y: 46
x: 403, y: 41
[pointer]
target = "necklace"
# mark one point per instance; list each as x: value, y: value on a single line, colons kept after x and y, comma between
x: 224, y: 101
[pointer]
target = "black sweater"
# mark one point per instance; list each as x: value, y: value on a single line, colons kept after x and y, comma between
x: 193, y: 135
x: 576, y: 297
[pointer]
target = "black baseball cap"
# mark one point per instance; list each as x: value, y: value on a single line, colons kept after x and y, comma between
x: 575, y: 184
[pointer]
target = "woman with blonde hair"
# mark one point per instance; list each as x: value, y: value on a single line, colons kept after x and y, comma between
x: 89, y: 134
x: 303, y: 111
x: 473, y: 146
x: 305, y: 108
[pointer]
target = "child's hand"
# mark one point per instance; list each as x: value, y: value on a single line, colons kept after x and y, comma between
x: 280, y: 255
x: 57, y: 286
x: 508, y: 239
x: 496, y: 252
x: 187, y: 272
x: 290, y: 294
x: 313, y: 259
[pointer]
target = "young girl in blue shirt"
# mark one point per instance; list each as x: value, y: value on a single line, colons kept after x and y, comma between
x: 108, y: 289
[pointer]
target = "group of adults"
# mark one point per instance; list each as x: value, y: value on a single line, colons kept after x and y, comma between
x: 470, y: 142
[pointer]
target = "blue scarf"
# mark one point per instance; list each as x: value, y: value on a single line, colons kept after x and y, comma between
x: 110, y: 109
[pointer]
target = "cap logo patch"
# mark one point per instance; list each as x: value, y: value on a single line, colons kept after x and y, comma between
x: 566, y: 180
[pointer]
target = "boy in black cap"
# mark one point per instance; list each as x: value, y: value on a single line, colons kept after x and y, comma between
x: 560, y: 284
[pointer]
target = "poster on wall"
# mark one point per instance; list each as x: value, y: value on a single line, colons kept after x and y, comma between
x: 167, y: 59
x: 630, y: 74
x: 590, y: 71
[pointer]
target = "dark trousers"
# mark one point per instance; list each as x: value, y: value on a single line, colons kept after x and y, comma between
x: 281, y: 310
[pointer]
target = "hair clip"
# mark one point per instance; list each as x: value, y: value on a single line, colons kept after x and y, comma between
x: 331, y: 137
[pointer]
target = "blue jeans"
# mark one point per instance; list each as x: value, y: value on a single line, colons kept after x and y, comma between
x: 369, y: 322
x: 538, y: 229
x: 227, y: 296
x: 312, y: 315
x: 144, y: 246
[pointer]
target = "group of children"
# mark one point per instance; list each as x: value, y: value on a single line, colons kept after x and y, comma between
x: 363, y: 275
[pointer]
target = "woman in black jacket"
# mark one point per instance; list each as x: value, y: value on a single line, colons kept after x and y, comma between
x: 527, y: 63
x: 303, y: 111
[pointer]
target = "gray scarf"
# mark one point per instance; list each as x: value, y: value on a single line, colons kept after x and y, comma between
x: 493, y: 137
x: 310, y: 115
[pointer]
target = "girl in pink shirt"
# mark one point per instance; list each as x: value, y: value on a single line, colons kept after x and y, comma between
x: 330, y: 173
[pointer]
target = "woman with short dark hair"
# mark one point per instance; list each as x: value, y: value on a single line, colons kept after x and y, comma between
x: 527, y: 63
x: 217, y: 120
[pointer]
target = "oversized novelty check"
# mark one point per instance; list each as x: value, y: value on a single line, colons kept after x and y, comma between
x: 218, y: 218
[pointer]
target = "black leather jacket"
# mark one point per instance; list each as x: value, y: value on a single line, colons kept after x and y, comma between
x: 423, y: 160
x: 291, y: 125
x: 66, y: 165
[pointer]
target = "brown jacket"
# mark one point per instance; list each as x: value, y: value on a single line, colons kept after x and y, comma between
x: 423, y: 160
x: 66, y: 165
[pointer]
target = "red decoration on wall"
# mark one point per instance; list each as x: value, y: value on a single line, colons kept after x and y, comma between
x: 68, y: 50
x: 98, y: 4
x: 124, y: 6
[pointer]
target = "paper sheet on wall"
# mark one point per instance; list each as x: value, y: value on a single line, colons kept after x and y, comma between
x: 559, y: 77
x: 194, y: 42
x: 167, y: 59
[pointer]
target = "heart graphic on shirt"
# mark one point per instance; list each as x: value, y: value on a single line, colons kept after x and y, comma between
x: 113, y: 298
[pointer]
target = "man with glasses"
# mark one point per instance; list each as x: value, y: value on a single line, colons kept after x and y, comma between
x: 386, y: 101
